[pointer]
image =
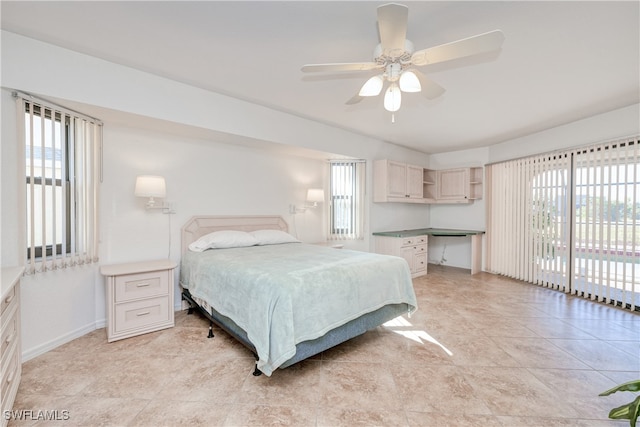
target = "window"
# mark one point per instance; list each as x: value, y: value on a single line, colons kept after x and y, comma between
x: 346, y: 216
x: 61, y: 173
x: 47, y: 168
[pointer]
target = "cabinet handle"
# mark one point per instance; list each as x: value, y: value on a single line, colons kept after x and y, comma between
x: 8, y: 299
x: 142, y: 285
x: 143, y: 313
x: 10, y: 338
x: 10, y: 377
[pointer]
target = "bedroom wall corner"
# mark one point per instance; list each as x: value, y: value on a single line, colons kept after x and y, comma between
x: 9, y: 209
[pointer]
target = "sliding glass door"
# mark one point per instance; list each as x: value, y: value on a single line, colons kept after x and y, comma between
x: 570, y: 221
x: 606, y: 231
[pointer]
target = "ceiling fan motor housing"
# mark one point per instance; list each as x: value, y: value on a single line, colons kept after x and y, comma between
x: 384, y: 57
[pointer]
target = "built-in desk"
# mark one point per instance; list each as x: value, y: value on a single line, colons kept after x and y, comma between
x: 476, y: 240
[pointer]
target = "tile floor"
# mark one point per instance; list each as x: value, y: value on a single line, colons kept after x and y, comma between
x: 481, y: 351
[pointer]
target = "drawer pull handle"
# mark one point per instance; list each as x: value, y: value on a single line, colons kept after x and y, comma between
x: 8, y: 299
x: 144, y: 313
x: 11, y: 375
x: 10, y: 338
x: 143, y: 285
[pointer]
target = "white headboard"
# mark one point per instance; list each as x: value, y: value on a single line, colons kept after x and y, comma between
x: 198, y: 226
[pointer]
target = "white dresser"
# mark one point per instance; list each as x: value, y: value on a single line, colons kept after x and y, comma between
x: 411, y: 248
x: 10, y: 332
x: 139, y: 297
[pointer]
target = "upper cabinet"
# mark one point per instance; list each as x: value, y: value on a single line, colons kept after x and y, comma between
x: 400, y: 182
x: 397, y: 182
x: 475, y: 183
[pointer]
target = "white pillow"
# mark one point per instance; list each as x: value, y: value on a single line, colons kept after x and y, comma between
x: 223, y: 239
x: 273, y: 237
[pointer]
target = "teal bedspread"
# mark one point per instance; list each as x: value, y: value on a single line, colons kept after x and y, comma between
x: 284, y: 294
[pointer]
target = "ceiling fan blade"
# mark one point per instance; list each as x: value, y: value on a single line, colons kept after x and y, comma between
x: 430, y: 89
x: 392, y: 24
x: 459, y: 49
x: 344, y: 66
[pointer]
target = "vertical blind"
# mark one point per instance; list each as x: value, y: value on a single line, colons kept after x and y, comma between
x: 61, y: 152
x: 569, y: 220
x: 527, y: 229
x: 346, y: 202
x: 606, y: 237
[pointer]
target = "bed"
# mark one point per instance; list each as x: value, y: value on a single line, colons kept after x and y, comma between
x: 283, y: 299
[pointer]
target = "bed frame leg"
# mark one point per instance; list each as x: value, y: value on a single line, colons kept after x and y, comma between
x: 210, y: 330
x: 190, y: 310
x: 257, y: 372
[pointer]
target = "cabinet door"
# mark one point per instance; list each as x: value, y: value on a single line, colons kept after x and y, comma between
x: 414, y: 181
x: 409, y: 255
x: 453, y: 184
x: 397, y: 179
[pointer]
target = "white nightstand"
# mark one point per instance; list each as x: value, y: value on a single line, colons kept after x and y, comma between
x: 139, y: 297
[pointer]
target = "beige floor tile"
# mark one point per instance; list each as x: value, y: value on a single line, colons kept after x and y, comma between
x: 295, y: 385
x: 517, y: 392
x: 438, y: 419
x: 273, y: 415
x: 443, y: 389
x: 558, y: 422
x: 538, y: 353
x: 168, y: 412
x: 358, y: 386
x: 347, y: 417
x: 600, y: 355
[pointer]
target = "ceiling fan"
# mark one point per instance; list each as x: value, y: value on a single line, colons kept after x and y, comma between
x: 396, y: 59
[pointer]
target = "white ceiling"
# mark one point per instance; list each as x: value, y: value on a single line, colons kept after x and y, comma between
x: 560, y: 62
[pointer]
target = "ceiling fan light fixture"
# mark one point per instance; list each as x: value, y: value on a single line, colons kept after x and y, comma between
x: 372, y: 87
x: 409, y: 82
x: 392, y: 98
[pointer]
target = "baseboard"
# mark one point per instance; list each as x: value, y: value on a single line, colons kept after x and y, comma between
x: 57, y: 342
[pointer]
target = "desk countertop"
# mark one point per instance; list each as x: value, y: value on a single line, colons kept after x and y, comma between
x: 428, y: 232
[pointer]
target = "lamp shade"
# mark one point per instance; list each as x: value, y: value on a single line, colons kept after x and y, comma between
x: 409, y: 82
x: 372, y: 87
x: 392, y: 98
x: 315, y: 195
x: 150, y: 186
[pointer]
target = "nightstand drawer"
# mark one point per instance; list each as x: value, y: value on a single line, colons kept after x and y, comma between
x: 7, y: 300
x: 10, y: 375
x: 140, y: 314
x: 9, y: 330
x: 142, y: 285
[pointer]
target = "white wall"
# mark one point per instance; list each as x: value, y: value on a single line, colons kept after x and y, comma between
x: 604, y: 127
x: 198, y: 140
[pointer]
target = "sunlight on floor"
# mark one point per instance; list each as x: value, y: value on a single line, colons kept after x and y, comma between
x: 399, y: 326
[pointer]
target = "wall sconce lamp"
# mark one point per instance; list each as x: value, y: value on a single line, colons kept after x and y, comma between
x: 314, y: 196
x: 152, y: 186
